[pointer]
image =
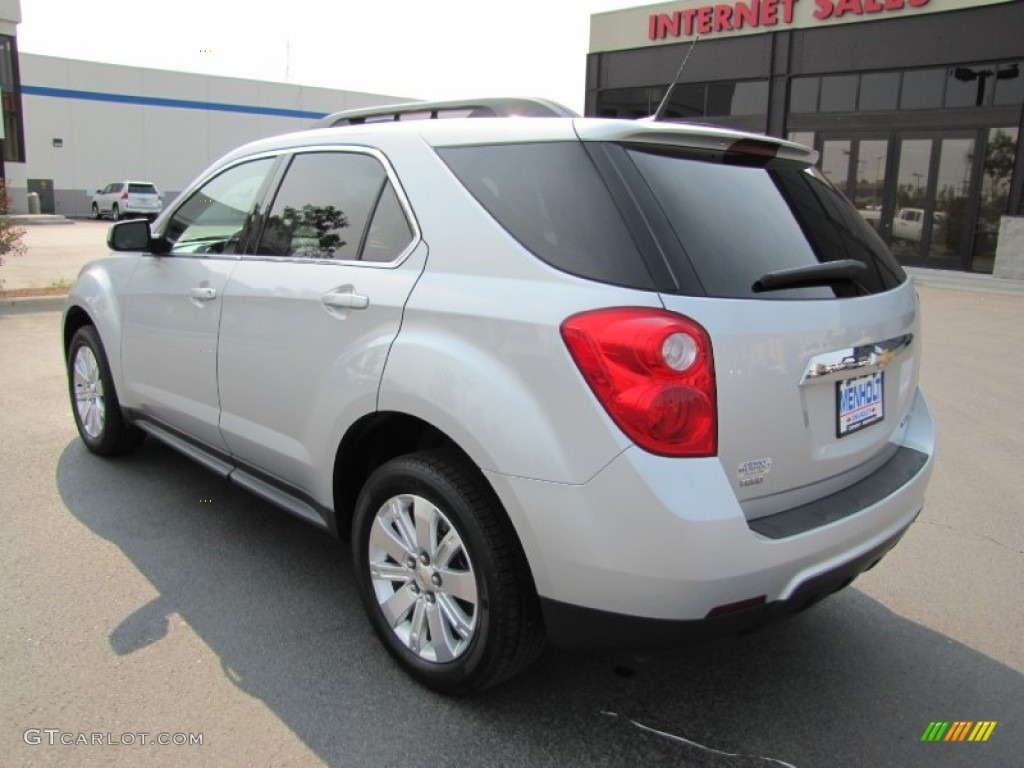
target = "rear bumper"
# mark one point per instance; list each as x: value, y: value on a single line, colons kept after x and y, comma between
x: 573, y: 626
x: 656, y: 544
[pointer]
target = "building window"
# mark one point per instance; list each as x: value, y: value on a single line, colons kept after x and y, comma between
x: 970, y: 86
x: 879, y: 91
x: 803, y: 95
x: 1010, y: 85
x: 686, y: 101
x: 923, y: 89
x: 624, y: 102
x: 1000, y: 155
x: 14, y: 141
x: 745, y: 98
x: 839, y: 93
x: 961, y: 86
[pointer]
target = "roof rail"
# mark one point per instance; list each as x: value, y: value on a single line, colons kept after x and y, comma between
x: 423, y: 110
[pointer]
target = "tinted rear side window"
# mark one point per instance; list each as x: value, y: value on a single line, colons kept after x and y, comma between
x: 737, y: 223
x: 551, y: 199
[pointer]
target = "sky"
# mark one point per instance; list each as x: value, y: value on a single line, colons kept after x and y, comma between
x: 430, y: 49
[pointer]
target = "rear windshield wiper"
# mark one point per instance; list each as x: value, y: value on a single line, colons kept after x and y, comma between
x: 825, y: 274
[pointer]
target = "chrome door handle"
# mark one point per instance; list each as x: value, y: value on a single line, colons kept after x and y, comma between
x: 345, y: 300
x: 203, y: 294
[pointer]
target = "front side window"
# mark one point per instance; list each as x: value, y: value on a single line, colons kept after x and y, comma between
x: 324, y: 207
x: 213, y: 219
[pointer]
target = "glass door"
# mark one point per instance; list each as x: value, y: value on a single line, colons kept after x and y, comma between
x: 1000, y: 156
x: 858, y: 166
x: 933, y: 194
x: 923, y: 191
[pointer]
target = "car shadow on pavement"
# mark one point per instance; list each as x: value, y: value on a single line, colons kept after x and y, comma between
x: 849, y: 683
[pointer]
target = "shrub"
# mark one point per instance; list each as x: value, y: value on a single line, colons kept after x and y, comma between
x: 11, y: 243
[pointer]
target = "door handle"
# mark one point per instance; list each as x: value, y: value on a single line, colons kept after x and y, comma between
x: 203, y: 294
x: 346, y: 299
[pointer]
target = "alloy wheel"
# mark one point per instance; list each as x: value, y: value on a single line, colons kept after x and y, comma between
x: 89, y: 399
x: 423, y: 578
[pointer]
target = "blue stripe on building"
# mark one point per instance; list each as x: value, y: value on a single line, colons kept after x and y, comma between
x: 154, y: 101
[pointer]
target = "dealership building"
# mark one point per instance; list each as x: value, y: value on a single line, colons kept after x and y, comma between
x: 88, y: 124
x: 71, y: 127
x: 915, y: 106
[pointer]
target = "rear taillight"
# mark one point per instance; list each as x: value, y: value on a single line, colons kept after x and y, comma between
x: 124, y: 195
x: 653, y: 372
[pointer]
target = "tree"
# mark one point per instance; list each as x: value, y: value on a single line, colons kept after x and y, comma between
x: 10, y: 235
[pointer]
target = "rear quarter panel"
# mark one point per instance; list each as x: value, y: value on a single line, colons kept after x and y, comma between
x: 480, y: 355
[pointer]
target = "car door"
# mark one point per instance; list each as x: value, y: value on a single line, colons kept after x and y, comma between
x: 104, y: 198
x: 309, y: 316
x: 173, y: 304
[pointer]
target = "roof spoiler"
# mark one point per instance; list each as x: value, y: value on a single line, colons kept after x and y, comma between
x: 423, y: 110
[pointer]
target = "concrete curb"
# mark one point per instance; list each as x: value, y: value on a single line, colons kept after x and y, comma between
x: 33, y: 219
x: 964, y: 281
x: 25, y: 304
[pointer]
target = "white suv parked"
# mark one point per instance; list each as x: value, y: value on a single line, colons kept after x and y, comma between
x: 128, y: 199
x: 592, y: 381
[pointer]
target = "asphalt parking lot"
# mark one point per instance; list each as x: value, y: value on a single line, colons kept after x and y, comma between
x: 144, y: 595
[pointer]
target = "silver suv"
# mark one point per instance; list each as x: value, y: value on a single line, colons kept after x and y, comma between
x: 599, y: 382
x: 128, y: 199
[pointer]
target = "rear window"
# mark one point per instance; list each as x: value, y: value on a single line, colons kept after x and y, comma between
x: 142, y: 189
x: 737, y: 223
x: 551, y: 199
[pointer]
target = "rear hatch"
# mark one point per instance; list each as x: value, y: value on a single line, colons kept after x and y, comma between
x: 143, y: 196
x: 812, y: 321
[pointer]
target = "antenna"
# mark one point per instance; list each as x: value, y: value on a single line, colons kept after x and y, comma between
x: 664, y: 101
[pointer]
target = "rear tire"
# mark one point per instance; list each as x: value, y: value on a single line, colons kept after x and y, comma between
x: 115, y: 213
x: 94, y: 403
x: 441, y: 574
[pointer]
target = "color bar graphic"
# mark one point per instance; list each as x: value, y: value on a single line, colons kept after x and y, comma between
x: 982, y: 730
x: 958, y: 730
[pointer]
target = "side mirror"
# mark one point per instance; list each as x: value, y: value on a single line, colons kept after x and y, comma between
x: 129, y: 236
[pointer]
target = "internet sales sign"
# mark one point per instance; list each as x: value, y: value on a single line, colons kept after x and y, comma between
x: 673, y: 22
x: 728, y: 17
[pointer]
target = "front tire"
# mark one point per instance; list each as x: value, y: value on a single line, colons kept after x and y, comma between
x: 94, y: 402
x: 95, y: 211
x: 441, y: 574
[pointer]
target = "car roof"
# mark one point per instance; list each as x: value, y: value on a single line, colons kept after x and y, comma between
x: 509, y: 130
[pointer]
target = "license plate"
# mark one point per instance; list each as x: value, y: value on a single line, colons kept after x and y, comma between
x: 860, y: 402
